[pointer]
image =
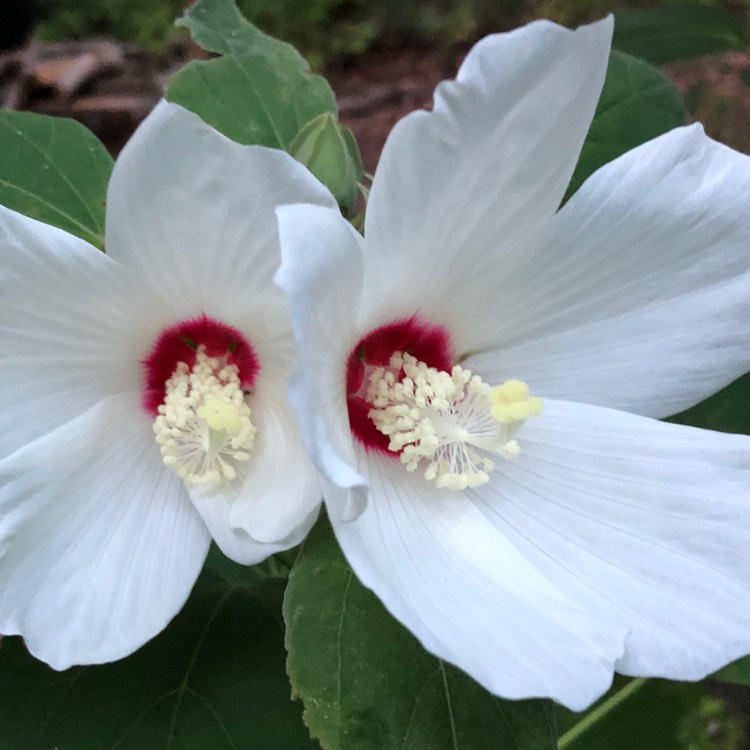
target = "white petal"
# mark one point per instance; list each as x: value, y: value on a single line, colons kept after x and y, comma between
x: 193, y: 211
x: 457, y: 189
x: 642, y: 523
x: 67, y: 338
x: 99, y: 543
x: 232, y: 536
x: 639, y: 297
x: 321, y: 272
x: 469, y: 596
x: 278, y: 502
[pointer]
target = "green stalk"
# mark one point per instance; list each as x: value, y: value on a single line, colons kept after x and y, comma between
x: 600, y: 712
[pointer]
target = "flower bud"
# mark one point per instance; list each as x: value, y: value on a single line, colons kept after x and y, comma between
x: 328, y: 149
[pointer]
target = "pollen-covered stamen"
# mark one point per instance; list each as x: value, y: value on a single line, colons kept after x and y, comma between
x: 451, y: 423
x: 203, y: 427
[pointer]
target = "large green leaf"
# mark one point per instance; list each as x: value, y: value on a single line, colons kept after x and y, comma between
x: 214, y: 679
x: 638, y: 103
x: 260, y: 92
x: 54, y: 170
x: 366, y: 682
x: 680, y: 31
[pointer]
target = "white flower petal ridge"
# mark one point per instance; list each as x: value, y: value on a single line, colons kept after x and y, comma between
x: 537, y: 549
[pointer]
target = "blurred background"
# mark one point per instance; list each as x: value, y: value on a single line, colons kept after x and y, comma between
x: 105, y: 63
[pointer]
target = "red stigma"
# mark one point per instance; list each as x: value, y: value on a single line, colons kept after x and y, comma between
x: 180, y: 342
x: 428, y: 343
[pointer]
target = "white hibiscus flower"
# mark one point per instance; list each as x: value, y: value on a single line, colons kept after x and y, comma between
x: 524, y: 513
x: 144, y: 393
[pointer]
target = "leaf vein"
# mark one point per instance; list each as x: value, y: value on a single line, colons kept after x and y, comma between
x: 262, y: 103
x: 215, y: 715
x: 339, y: 656
x: 183, y: 687
x: 413, y: 714
x: 65, y: 178
x: 98, y: 238
x: 449, y: 703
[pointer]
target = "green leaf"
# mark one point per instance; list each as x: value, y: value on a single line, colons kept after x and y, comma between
x: 737, y: 672
x: 725, y: 411
x: 219, y: 26
x: 54, y: 170
x: 260, y: 92
x: 276, y: 566
x: 637, y: 104
x: 640, y: 715
x: 214, y: 679
x: 366, y: 682
x: 681, y: 31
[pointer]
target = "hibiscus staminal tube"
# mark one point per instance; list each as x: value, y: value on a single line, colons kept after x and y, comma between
x: 144, y: 393
x: 481, y: 380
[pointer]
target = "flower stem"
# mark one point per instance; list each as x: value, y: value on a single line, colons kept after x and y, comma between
x: 600, y: 712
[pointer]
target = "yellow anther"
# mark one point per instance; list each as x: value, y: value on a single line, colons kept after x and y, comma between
x: 219, y: 415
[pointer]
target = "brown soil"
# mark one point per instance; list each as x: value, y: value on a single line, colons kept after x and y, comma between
x: 110, y: 87
x: 717, y: 92
x: 380, y: 88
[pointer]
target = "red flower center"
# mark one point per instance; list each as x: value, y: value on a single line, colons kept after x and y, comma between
x: 428, y: 343
x: 180, y: 342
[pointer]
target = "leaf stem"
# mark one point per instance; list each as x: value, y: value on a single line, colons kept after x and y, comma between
x: 600, y: 712
x: 273, y: 567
